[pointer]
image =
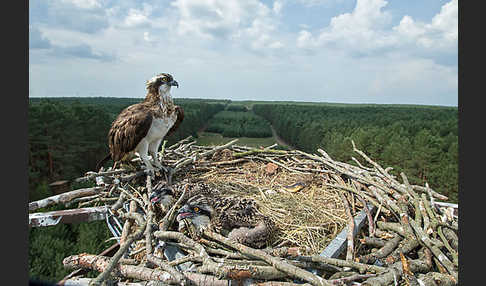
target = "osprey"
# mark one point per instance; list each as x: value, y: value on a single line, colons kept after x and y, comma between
x: 141, y: 127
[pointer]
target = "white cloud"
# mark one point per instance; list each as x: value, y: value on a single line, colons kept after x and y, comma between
x: 212, y: 18
x: 138, y: 18
x: 84, y: 4
x: 149, y: 38
x: 249, y: 24
x: 277, y: 7
x: 440, y: 33
x: 415, y: 78
x: 361, y: 29
x: 366, y: 30
x: 310, y: 3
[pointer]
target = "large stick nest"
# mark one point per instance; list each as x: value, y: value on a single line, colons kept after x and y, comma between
x: 311, y: 198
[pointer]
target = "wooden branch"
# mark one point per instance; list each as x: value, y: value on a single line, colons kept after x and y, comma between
x: 361, y: 267
x: 373, y: 241
x: 255, y: 150
x: 177, y: 144
x: 204, y: 154
x: 408, y: 245
x: 351, y: 278
x: 67, y: 216
x: 435, y: 250
x: 431, y: 191
x: 114, y: 260
x: 453, y: 253
x: 64, y: 197
x: 350, y: 236
x: 91, y: 175
x: 241, y: 272
x: 275, y: 262
x: 178, y: 277
x: 337, y: 245
x: 170, y: 215
x: 150, y: 215
x: 371, y: 224
x: 80, y: 271
x: 119, y: 203
x: 436, y: 278
x: 352, y: 190
x: 102, y: 264
x: 392, y: 226
x: 135, y: 272
x: 395, y: 271
x: 128, y: 223
x: 388, y: 247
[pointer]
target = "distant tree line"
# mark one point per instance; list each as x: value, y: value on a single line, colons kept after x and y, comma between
x: 420, y: 141
x: 239, y: 124
x: 236, y: 107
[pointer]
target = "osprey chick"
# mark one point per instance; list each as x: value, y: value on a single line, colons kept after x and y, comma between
x: 141, y: 127
x: 236, y: 217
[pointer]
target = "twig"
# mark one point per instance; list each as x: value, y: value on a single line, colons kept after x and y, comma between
x: 169, y: 216
x: 128, y: 223
x: 361, y: 267
x: 179, y: 278
x: 350, y: 236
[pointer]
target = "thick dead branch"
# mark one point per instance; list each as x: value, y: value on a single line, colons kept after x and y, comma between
x: 102, y: 264
x: 64, y: 197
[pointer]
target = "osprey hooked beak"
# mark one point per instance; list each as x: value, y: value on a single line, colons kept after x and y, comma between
x: 174, y: 83
x: 184, y: 212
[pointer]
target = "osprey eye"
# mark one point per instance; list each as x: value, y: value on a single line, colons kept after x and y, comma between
x: 196, y: 209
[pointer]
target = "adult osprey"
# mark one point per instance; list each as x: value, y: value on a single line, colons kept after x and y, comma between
x: 142, y: 126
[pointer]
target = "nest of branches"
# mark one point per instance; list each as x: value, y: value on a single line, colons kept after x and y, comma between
x: 319, y: 206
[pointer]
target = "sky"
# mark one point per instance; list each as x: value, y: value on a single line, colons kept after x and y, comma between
x: 345, y: 51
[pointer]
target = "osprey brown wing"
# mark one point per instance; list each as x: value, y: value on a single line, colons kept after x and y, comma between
x: 128, y: 129
x: 180, y: 117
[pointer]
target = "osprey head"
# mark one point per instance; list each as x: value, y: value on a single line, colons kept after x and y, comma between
x: 197, y: 211
x: 162, y: 82
x: 163, y: 197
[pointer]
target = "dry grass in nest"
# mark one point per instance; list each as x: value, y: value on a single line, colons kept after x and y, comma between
x: 309, y: 218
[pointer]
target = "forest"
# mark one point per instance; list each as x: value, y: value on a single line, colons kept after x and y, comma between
x: 234, y: 122
x: 421, y: 141
x: 67, y: 137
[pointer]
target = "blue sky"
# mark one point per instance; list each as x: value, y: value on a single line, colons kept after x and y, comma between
x: 364, y: 51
